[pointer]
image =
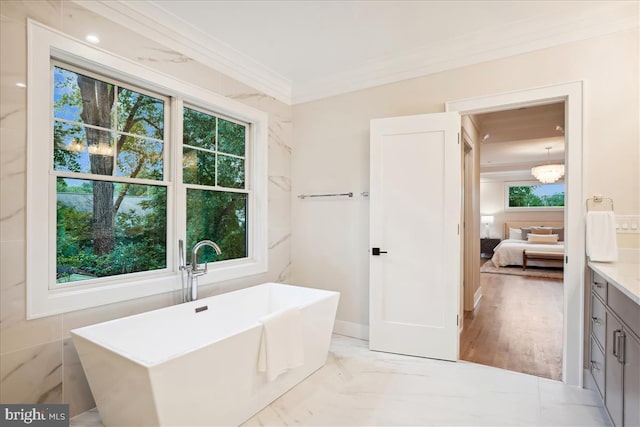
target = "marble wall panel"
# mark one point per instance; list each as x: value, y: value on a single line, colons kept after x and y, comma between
x: 32, y: 375
x: 16, y: 332
x: 49, y: 12
x: 12, y: 197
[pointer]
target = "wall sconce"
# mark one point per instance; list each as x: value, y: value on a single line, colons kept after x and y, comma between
x: 486, y: 220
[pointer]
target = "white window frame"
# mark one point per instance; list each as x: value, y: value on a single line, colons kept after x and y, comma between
x: 45, y: 44
x: 508, y: 208
x: 182, y: 196
x: 88, y: 176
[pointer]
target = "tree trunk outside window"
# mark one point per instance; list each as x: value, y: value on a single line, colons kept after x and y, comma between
x: 97, y: 102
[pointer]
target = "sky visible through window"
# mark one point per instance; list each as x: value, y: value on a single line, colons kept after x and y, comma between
x: 548, y: 189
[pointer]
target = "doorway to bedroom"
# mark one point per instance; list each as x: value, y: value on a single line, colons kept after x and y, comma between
x: 514, y: 316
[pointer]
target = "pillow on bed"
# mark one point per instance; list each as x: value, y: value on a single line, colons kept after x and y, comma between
x: 546, y: 239
x: 525, y: 232
x: 559, y: 231
x: 541, y: 230
x: 515, y: 234
x: 535, y: 230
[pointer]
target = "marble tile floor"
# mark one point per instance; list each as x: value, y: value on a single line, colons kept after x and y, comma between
x: 358, y: 387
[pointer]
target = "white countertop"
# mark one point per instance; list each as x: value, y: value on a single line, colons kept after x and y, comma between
x: 624, y: 274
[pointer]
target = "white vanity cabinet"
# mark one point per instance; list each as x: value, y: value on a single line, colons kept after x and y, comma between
x: 615, y: 350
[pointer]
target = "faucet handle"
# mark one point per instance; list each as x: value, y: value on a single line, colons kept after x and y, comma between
x: 197, y: 272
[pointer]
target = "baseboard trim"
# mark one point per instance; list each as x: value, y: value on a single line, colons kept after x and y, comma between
x: 477, y: 297
x: 351, y: 329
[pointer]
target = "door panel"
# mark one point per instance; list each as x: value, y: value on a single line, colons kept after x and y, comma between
x: 613, y: 372
x: 631, y: 381
x: 415, y: 211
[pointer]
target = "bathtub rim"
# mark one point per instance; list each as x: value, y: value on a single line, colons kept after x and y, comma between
x: 81, y: 331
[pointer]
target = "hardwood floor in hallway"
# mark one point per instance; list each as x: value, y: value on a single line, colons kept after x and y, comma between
x: 517, y: 325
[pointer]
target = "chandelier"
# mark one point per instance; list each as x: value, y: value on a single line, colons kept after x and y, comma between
x: 548, y: 173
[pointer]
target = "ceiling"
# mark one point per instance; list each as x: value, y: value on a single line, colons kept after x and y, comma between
x: 514, y: 141
x: 298, y: 51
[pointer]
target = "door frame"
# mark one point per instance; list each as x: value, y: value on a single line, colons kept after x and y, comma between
x: 572, y: 95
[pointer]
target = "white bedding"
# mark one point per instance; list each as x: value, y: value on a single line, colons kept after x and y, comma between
x: 509, y: 252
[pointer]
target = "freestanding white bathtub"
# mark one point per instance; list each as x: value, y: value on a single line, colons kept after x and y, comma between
x: 178, y: 367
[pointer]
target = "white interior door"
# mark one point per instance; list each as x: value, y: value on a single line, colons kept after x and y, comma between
x: 415, y: 226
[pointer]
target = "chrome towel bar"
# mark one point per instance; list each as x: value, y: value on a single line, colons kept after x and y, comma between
x: 597, y: 200
x: 304, y: 196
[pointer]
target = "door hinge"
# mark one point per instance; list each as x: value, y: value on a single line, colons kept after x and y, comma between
x: 458, y: 138
x: 457, y: 320
x: 566, y: 259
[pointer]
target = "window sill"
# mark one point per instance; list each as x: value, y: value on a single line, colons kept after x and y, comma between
x: 72, y: 298
x: 535, y: 209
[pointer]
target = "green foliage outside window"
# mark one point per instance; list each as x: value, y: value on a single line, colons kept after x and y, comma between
x: 213, y: 160
x: 542, y: 195
x: 117, y: 226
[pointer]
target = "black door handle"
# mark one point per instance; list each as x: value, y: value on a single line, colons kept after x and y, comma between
x: 377, y: 251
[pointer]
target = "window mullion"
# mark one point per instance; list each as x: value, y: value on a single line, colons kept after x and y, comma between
x: 216, y: 142
x: 109, y: 178
x: 114, y: 131
x: 179, y: 207
x: 218, y: 189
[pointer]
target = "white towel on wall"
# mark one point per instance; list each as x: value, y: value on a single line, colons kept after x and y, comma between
x: 282, y: 345
x: 601, y: 236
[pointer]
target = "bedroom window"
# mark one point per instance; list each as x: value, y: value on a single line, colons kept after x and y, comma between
x: 534, y: 195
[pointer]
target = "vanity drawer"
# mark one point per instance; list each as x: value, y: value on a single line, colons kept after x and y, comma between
x: 599, y: 286
x: 625, y: 308
x: 596, y: 366
x: 598, y: 316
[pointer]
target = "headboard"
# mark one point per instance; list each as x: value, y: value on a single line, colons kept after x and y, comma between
x: 535, y: 223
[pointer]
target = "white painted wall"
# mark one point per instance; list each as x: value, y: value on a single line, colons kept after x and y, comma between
x: 331, y: 137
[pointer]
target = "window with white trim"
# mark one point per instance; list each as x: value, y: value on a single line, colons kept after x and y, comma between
x: 136, y: 161
x: 534, y: 195
x: 213, y: 173
x: 111, y: 187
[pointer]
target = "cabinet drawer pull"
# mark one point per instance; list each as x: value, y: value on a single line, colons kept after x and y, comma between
x: 596, y: 321
x: 621, y: 344
x: 594, y: 365
x: 598, y: 285
x: 615, y: 350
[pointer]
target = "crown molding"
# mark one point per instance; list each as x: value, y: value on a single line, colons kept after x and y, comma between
x: 150, y: 20
x: 488, y: 45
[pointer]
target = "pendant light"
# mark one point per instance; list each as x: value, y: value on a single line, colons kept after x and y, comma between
x: 548, y: 173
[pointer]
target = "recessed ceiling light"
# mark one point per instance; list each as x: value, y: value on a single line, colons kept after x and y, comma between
x: 92, y: 38
x: 485, y: 137
x: 20, y: 84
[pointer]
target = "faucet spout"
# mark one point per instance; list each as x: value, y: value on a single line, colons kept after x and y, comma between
x: 194, y: 271
x: 194, y: 254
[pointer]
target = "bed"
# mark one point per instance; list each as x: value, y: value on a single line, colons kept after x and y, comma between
x: 509, y: 251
